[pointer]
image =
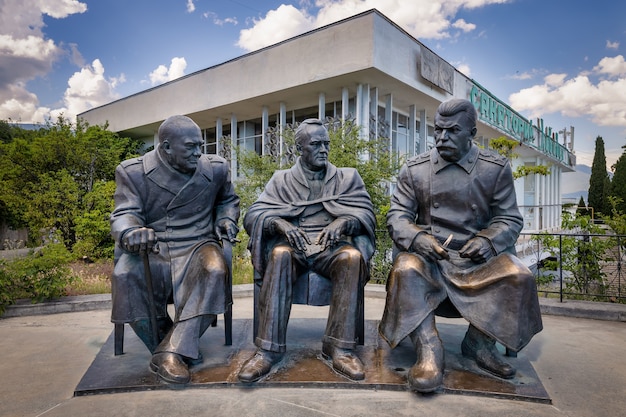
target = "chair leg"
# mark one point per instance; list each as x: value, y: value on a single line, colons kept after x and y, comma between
x: 360, y: 322
x: 118, y: 338
x: 228, y: 326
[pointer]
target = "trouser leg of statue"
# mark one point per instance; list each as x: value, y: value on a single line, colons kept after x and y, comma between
x: 276, y: 291
x: 481, y: 348
x: 346, y: 273
x: 427, y: 373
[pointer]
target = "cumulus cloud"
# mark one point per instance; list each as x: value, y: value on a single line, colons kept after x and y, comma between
x: 599, y: 95
x: 424, y: 19
x: 26, y: 54
x: 86, y: 89
x: 164, y: 74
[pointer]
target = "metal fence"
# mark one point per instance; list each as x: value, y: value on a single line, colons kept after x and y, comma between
x: 576, y: 265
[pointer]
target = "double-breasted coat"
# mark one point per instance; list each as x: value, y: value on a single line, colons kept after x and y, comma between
x: 472, y: 197
x: 183, y: 212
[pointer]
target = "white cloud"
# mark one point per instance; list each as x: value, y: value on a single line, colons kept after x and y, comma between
x: 612, y: 45
x: 603, y: 101
x: 163, y: 74
x: 463, y: 25
x: 278, y: 25
x: 26, y: 54
x: 218, y: 21
x: 86, y: 89
x: 190, y: 6
x: 428, y: 19
x: 612, y: 66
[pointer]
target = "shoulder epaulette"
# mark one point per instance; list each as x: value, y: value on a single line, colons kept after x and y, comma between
x: 491, y: 156
x: 215, y: 159
x: 419, y: 159
x: 132, y: 161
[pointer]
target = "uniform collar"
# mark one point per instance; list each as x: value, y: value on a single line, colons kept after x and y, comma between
x: 467, y: 162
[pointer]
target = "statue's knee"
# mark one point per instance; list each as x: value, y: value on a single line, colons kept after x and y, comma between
x: 350, y: 255
x: 281, y: 252
x: 407, y: 264
x: 212, y: 260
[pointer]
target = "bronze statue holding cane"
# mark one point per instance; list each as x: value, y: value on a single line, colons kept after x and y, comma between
x: 454, y: 220
x: 184, y: 201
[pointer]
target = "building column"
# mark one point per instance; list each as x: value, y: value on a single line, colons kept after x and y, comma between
x: 233, y: 144
x: 264, y: 126
x: 321, y: 106
x: 282, y: 122
x: 218, y: 135
x: 389, y: 119
x: 412, y: 120
x: 374, y: 112
x: 345, y: 103
x: 423, y: 133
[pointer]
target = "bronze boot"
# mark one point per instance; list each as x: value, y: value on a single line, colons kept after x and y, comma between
x: 427, y: 373
x: 481, y: 348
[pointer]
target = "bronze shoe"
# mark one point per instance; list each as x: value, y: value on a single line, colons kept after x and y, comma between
x: 427, y: 373
x: 344, y: 361
x: 170, y: 367
x: 486, y: 356
x: 259, y: 365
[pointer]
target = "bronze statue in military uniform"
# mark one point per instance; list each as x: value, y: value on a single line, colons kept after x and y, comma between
x: 315, y: 217
x: 185, y: 203
x: 455, y: 220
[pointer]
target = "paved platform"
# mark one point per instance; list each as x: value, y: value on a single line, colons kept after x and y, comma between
x: 303, y: 366
x: 580, y: 363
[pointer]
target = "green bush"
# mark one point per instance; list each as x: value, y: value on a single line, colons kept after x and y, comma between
x: 41, y: 275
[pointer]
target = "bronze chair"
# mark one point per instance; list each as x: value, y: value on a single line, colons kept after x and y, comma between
x: 312, y: 289
x: 228, y: 314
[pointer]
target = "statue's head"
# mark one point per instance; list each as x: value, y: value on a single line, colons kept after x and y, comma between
x: 455, y: 128
x: 313, y: 143
x: 180, y: 140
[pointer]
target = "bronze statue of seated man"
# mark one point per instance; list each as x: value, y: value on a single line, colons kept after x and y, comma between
x: 311, y: 217
x: 185, y: 201
x: 455, y: 220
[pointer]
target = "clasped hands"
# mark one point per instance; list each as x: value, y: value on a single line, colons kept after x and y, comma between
x: 299, y: 240
x: 144, y: 239
x: 478, y: 249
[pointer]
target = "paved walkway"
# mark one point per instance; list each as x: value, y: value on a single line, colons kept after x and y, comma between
x: 580, y: 362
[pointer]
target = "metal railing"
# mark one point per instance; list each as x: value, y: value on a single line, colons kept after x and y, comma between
x: 576, y: 265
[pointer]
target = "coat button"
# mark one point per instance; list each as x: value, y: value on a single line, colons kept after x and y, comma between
x: 437, y: 230
x: 474, y: 207
x: 436, y: 205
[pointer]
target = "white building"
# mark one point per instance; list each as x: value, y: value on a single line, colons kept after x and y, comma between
x: 365, y: 67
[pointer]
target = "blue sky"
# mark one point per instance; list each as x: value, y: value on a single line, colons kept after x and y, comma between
x: 556, y: 59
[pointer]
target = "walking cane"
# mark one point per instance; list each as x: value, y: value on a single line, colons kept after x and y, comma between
x: 151, y: 304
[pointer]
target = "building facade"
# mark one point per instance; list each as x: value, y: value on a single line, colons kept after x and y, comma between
x: 365, y: 68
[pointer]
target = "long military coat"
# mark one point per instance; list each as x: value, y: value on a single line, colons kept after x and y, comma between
x: 473, y: 197
x: 183, y: 212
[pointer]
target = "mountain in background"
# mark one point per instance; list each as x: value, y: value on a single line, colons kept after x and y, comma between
x: 576, y: 184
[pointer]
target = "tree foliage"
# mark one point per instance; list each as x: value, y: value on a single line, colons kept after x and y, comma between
x: 48, y: 177
x: 618, y: 184
x: 599, y: 182
x: 505, y: 146
x: 372, y: 158
x: 581, y: 253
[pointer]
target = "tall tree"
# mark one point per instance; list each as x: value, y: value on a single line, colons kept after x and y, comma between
x: 599, y: 182
x: 618, y: 186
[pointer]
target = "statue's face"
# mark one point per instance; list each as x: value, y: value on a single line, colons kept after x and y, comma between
x: 315, y: 149
x: 183, y: 151
x: 453, y: 136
